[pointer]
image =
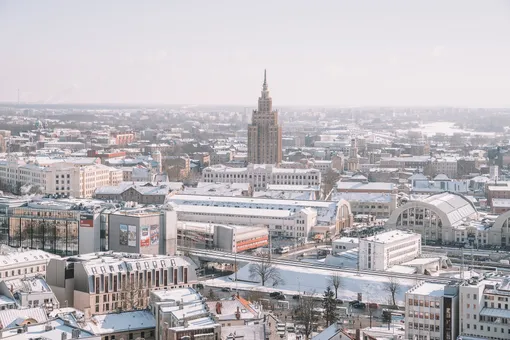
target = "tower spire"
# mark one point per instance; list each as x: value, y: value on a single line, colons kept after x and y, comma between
x: 265, y: 82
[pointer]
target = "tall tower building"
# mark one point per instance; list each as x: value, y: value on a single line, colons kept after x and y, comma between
x: 353, y: 161
x: 264, y: 133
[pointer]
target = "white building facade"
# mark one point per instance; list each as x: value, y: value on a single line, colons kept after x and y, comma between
x: 432, y: 312
x: 385, y: 250
x: 58, y: 176
x: 261, y: 175
x: 484, y: 308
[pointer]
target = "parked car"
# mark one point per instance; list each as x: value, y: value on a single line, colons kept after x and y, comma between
x: 280, y: 297
x: 359, y: 305
x: 296, y: 297
x: 353, y: 302
x: 226, y: 289
x: 275, y: 294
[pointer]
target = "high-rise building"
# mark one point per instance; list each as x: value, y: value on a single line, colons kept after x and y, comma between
x: 264, y: 132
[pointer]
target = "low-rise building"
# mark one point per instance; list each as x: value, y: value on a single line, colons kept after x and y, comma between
x: 382, y: 251
x: 183, y: 312
x: 290, y: 218
x: 140, y: 192
x: 220, y: 189
x: 20, y: 263
x: 344, y: 244
x: 259, y: 175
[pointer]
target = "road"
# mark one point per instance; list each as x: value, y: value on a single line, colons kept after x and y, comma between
x: 229, y: 257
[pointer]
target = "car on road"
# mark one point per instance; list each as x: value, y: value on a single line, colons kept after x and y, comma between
x: 296, y: 297
x: 280, y: 297
x: 359, y: 305
x: 275, y: 294
x: 226, y: 289
x: 353, y: 302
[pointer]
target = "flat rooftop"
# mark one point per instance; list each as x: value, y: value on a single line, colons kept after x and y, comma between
x: 428, y: 288
x: 390, y: 236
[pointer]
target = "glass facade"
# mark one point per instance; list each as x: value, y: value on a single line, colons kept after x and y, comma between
x: 55, y: 231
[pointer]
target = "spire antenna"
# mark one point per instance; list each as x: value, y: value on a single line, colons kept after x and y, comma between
x: 265, y: 82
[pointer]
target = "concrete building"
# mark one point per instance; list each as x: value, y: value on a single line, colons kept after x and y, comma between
x: 264, y: 132
x: 379, y: 205
x: 30, y: 292
x: 484, y: 308
x: 139, y: 192
x: 438, y: 217
x: 139, y: 324
x: 371, y: 187
x: 344, y: 244
x: 287, y: 217
x: 21, y: 263
x: 183, y: 314
x: 220, y: 189
x: 142, y: 231
x: 432, y: 311
x: 290, y: 192
x: 75, y: 179
x: 259, y: 176
x: 99, y: 283
x: 382, y: 251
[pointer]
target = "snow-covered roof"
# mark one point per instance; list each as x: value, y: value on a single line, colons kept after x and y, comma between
x: 8, y: 317
x: 427, y: 289
x: 326, y: 210
x: 379, y: 186
x: 362, y: 197
x: 119, y: 322
x: 15, y: 257
x: 390, y: 236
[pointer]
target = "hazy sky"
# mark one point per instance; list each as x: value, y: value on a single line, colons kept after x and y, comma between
x: 379, y: 52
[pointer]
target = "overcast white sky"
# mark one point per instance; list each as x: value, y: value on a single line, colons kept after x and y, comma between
x: 386, y: 52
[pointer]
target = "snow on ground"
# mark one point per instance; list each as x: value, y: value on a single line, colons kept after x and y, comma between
x: 309, y: 280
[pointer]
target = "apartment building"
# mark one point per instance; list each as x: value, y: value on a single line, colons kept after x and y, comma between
x: 260, y: 175
x: 432, y: 312
x: 100, y: 283
x: 183, y: 314
x: 382, y: 251
x: 54, y: 176
x: 484, y: 307
x: 20, y: 263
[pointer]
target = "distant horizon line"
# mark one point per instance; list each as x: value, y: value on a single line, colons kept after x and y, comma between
x: 14, y: 104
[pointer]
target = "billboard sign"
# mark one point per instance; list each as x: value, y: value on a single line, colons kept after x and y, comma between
x: 154, y: 233
x: 86, y: 221
x: 123, y: 235
x: 144, y: 236
x: 132, y: 236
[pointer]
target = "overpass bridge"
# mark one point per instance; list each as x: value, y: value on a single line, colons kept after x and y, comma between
x: 208, y: 255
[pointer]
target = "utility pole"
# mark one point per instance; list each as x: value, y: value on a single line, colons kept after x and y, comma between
x: 270, y: 244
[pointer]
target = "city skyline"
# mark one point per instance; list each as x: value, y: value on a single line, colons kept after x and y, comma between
x: 331, y: 53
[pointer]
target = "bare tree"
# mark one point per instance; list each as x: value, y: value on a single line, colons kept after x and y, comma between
x: 131, y: 294
x: 335, y: 281
x: 307, y: 315
x: 392, y: 287
x: 265, y: 270
x: 329, y: 181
